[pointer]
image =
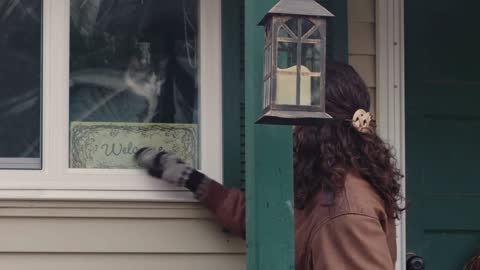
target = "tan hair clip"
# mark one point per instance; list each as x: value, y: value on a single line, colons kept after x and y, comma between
x: 361, y: 121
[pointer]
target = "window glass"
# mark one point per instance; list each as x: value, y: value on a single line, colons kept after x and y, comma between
x: 286, y: 86
x: 311, y: 72
x: 133, y: 80
x: 20, y: 78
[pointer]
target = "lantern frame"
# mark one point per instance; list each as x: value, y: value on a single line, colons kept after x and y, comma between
x: 275, y: 21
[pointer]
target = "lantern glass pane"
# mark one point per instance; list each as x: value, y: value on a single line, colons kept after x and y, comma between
x: 299, y: 26
x: 283, y: 33
x: 267, y: 61
x: 314, y: 35
x: 304, y: 26
x: 310, y: 75
x: 287, y: 55
x: 266, y: 92
x: 292, y: 24
x: 305, y: 86
x: 267, y: 69
x: 286, y: 84
x: 312, y: 56
x: 316, y: 90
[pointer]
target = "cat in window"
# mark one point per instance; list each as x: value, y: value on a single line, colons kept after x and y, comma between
x: 143, y: 81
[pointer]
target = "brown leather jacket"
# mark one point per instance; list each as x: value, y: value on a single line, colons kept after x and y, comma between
x: 351, y: 232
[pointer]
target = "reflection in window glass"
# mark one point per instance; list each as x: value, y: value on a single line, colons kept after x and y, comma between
x: 286, y: 55
x: 283, y: 33
x: 20, y: 78
x: 312, y: 56
x: 292, y: 24
x: 305, y: 26
x: 133, y: 80
x: 311, y: 63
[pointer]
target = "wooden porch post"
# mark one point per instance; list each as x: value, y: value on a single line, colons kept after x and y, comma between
x: 269, y: 165
x: 268, y: 153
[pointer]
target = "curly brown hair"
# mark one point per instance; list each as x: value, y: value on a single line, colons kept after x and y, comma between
x: 473, y: 264
x: 325, y: 153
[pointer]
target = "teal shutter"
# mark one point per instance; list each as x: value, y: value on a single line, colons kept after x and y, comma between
x: 233, y: 93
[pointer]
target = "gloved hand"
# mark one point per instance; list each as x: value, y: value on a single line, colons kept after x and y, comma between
x: 168, y: 167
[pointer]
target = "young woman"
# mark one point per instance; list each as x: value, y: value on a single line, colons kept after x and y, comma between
x: 346, y: 185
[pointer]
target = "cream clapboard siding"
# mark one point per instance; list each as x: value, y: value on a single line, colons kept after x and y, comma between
x: 120, y: 261
x: 143, y: 236
x: 361, y: 38
x: 114, y: 235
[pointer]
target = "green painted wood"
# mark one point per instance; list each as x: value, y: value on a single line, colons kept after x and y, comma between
x: 337, y: 32
x: 442, y: 131
x: 269, y: 165
x: 233, y: 93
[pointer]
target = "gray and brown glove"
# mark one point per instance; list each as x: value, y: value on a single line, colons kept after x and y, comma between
x: 169, y: 168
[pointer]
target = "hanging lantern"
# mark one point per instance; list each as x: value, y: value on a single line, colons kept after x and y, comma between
x: 294, y: 63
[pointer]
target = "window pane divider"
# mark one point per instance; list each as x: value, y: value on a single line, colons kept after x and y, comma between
x: 211, y: 142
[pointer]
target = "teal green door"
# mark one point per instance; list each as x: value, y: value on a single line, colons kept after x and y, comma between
x: 442, y: 69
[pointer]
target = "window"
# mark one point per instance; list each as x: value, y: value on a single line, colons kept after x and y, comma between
x: 133, y: 80
x: 21, y: 80
x: 115, y: 76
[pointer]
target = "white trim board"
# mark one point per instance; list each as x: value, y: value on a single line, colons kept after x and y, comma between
x: 391, y: 93
x: 56, y: 180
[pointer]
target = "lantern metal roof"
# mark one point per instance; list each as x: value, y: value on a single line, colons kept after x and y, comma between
x: 298, y: 7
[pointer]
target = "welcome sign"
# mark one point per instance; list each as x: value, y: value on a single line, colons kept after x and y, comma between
x: 113, y: 145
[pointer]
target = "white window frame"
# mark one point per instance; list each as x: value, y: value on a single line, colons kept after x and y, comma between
x: 56, y: 181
